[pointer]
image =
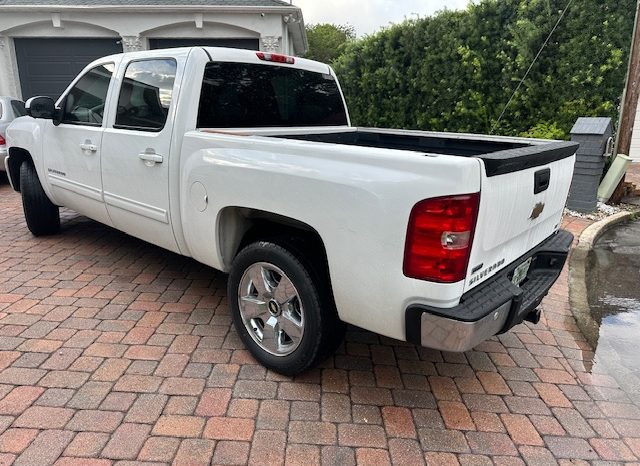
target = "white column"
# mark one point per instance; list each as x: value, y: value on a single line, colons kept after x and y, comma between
x: 8, y: 84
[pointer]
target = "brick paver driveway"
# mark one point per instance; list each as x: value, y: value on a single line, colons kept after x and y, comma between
x: 113, y: 349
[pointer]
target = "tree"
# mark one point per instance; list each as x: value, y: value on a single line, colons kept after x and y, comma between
x: 328, y: 41
x: 456, y: 70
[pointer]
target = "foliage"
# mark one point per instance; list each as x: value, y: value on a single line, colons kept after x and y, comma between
x: 328, y: 41
x: 457, y: 70
x: 545, y: 130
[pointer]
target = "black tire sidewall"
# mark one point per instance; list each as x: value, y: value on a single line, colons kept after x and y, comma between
x: 307, y: 353
x: 41, y: 215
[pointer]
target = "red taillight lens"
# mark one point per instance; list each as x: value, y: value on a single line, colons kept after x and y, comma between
x: 276, y: 58
x: 439, y: 238
x: 2, y: 141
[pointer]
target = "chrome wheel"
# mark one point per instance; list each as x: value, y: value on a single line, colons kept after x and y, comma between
x: 271, y: 309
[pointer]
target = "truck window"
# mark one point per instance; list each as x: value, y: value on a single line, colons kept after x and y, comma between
x: 241, y: 95
x: 18, y: 108
x: 145, y: 95
x: 84, y: 104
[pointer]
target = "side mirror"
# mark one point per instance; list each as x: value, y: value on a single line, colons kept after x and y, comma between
x: 41, y: 107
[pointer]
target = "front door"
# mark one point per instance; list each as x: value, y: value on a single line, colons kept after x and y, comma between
x: 135, y: 152
x: 72, y: 149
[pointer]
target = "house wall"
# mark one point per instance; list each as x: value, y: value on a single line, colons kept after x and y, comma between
x: 135, y: 28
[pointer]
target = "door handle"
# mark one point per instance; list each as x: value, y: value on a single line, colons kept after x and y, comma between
x: 88, y: 146
x: 150, y: 157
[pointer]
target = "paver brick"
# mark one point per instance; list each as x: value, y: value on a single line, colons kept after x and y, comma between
x: 361, y: 435
x: 491, y: 443
x: 42, y: 417
x: 316, y: 433
x: 567, y: 447
x: 194, y: 452
x: 178, y: 426
x: 126, y: 441
x: 19, y: 399
x: 87, y: 444
x: 45, y: 449
x: 220, y: 428
x: 92, y: 420
x: 521, y: 430
x: 16, y: 440
x: 161, y: 449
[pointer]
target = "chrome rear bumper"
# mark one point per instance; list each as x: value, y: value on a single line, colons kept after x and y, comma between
x: 493, y: 307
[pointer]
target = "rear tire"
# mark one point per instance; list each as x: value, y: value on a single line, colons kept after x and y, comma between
x: 283, y: 314
x: 42, y: 216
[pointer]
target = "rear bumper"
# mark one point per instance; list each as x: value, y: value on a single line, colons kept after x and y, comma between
x: 3, y: 154
x: 493, y: 307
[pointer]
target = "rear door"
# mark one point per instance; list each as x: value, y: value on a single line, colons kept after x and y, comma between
x: 137, y: 146
x: 518, y: 210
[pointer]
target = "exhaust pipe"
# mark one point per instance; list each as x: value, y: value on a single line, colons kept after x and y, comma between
x: 534, y: 317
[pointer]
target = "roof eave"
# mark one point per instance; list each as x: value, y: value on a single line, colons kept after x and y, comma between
x: 155, y: 8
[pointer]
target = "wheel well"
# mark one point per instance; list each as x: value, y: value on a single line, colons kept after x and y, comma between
x: 16, y: 157
x: 239, y: 227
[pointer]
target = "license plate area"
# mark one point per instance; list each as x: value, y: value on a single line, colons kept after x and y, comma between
x: 520, y: 273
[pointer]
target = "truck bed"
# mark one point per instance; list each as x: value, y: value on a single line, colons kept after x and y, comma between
x: 500, y: 155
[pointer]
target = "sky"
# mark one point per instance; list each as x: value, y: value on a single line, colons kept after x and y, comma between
x: 368, y: 16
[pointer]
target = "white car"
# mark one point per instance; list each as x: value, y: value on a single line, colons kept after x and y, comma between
x: 247, y: 162
x: 10, y: 109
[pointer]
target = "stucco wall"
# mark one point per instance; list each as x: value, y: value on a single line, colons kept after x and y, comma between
x: 135, y: 28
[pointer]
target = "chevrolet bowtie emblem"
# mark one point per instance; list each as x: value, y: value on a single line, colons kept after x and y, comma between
x: 537, y: 211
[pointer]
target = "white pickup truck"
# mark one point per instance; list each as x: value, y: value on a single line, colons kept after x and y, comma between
x: 247, y: 162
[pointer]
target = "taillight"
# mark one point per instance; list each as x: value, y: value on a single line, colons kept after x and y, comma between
x: 2, y: 141
x: 277, y: 58
x: 439, y: 238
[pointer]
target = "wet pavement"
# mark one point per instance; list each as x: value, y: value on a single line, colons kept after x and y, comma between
x: 614, y: 299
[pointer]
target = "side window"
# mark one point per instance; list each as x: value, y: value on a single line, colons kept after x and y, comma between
x: 145, y: 95
x: 84, y: 104
x: 18, y: 108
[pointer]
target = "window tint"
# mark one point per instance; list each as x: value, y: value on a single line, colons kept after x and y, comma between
x: 145, y: 95
x: 240, y: 95
x: 84, y: 104
x: 18, y: 108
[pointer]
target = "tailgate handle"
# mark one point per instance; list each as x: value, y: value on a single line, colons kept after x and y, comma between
x: 542, y: 180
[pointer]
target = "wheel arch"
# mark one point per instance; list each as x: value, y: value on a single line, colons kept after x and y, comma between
x: 238, y: 227
x: 17, y: 156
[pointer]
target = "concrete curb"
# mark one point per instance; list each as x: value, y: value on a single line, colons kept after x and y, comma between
x: 578, y: 264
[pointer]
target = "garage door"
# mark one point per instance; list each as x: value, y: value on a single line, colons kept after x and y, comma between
x: 249, y: 44
x: 47, y: 66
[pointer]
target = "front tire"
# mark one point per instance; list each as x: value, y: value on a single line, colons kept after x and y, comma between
x: 283, y: 315
x: 42, y: 216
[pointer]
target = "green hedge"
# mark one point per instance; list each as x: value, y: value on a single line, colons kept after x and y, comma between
x: 456, y: 70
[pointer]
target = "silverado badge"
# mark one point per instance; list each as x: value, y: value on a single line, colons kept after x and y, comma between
x: 537, y: 211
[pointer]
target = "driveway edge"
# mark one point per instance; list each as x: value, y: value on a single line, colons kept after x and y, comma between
x: 578, y: 261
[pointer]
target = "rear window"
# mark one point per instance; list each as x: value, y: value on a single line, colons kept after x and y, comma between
x: 241, y: 95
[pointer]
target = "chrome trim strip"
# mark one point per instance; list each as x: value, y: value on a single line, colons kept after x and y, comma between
x: 75, y: 187
x: 138, y: 208
x: 453, y: 335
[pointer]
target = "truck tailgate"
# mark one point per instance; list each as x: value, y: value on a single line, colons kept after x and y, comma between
x: 521, y: 204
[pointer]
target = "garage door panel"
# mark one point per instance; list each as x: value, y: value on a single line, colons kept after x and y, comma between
x: 249, y: 44
x: 47, y: 66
